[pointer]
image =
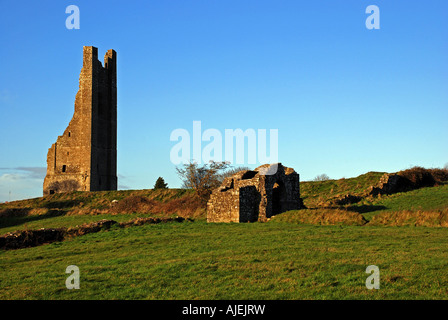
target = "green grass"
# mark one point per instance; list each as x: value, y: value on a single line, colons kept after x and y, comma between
x: 316, y: 192
x: 62, y: 210
x: 285, y: 258
x: 431, y: 198
x: 34, y: 222
x: 196, y: 260
x: 321, y: 217
x: 424, y: 199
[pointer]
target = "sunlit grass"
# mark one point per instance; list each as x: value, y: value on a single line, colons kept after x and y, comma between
x: 196, y: 260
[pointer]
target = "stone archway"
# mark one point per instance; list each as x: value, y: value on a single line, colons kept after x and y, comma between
x: 249, y: 204
x: 278, y: 197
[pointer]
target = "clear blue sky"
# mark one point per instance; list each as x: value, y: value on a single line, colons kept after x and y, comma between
x: 345, y: 100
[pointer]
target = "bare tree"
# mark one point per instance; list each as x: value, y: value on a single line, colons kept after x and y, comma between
x: 203, y: 179
x: 321, y: 177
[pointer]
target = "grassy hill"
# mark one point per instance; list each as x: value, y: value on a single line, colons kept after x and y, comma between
x: 320, y: 197
x: 424, y: 202
x: 74, y: 208
x: 196, y: 260
x: 320, y: 193
x: 317, y: 253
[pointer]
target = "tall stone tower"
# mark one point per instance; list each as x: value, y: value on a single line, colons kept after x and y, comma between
x: 84, y: 158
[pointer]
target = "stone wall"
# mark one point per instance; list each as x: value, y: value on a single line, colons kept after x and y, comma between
x: 84, y: 158
x: 253, y: 195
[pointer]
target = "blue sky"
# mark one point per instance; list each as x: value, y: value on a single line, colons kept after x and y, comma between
x: 345, y: 100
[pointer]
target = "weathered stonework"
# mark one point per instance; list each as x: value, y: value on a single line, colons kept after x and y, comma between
x: 249, y: 196
x: 84, y: 158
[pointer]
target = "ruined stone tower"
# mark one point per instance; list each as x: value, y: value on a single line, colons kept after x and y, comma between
x: 84, y: 158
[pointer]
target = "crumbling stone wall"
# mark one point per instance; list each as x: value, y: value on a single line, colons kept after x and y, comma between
x: 254, y: 195
x: 84, y: 158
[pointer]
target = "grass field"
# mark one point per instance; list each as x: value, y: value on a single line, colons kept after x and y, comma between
x: 195, y: 260
x: 288, y: 257
x: 424, y: 199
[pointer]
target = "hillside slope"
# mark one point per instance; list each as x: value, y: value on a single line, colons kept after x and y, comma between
x: 71, y: 209
x: 333, y: 201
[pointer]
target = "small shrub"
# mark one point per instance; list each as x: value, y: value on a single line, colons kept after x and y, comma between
x: 160, y: 184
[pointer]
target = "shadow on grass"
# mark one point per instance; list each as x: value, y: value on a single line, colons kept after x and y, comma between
x: 366, y: 208
x: 22, y: 216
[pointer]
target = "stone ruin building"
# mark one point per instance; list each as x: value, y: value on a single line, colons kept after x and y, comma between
x: 84, y: 158
x: 255, y: 195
